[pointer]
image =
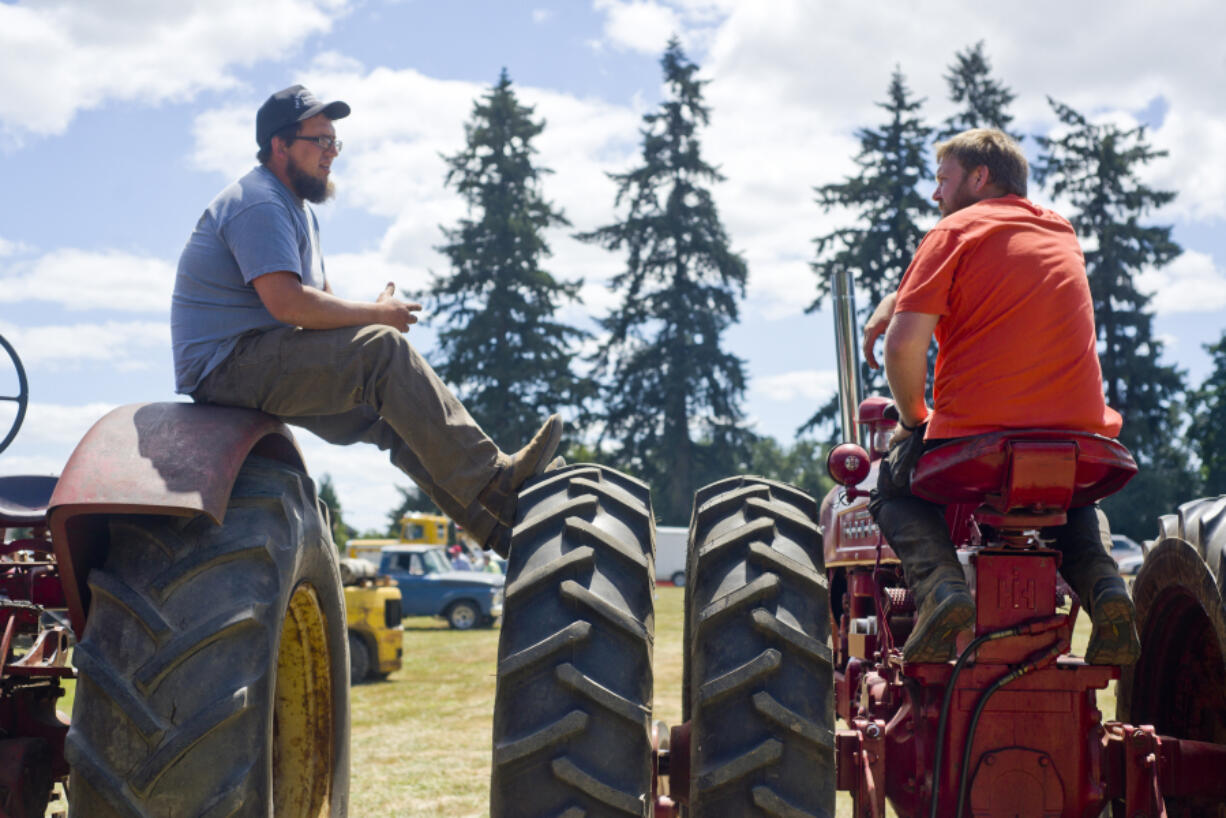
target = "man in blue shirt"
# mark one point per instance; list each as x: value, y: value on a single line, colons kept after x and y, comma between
x: 254, y: 323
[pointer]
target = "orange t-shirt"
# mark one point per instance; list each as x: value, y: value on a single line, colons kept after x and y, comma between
x: 1017, y: 346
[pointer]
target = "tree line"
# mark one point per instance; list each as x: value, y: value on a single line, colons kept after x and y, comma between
x: 658, y: 396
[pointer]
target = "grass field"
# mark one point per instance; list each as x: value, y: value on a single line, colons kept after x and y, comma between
x: 421, y: 740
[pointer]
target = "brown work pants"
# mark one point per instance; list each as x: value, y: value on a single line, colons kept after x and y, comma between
x: 365, y: 384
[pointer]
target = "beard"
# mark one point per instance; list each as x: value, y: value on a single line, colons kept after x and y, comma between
x: 306, y: 186
x: 960, y: 198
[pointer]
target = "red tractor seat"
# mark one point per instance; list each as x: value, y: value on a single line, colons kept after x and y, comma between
x: 1027, y: 477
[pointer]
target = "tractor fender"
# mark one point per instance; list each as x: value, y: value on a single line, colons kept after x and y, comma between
x: 176, y: 459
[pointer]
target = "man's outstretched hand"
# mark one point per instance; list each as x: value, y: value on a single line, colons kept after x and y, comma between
x: 396, y: 313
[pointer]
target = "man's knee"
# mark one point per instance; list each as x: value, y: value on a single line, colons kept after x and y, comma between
x: 378, y: 344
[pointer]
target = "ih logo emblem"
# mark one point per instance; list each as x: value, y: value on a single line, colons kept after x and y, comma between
x: 1018, y: 591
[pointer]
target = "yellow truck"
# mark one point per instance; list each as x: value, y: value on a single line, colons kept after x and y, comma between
x: 373, y: 618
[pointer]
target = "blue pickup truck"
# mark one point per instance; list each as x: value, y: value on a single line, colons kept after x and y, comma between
x: 429, y: 586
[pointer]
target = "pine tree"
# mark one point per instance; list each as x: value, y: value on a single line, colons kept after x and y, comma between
x: 500, y: 341
x: 889, y: 210
x: 1207, y: 434
x: 1094, y: 167
x: 985, y: 100
x: 672, y: 396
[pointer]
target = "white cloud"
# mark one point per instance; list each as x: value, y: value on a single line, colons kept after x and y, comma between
x: 123, y: 346
x: 108, y: 280
x: 58, y: 425
x: 1190, y: 283
x: 810, y: 385
x: 12, y: 248
x: 638, y: 25
x: 90, y: 53
x: 1195, y: 167
x: 541, y: 15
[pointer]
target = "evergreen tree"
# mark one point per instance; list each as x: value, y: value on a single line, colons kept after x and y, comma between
x: 341, y: 533
x: 985, y: 100
x: 889, y: 210
x: 803, y: 464
x: 672, y: 396
x: 500, y: 341
x: 1094, y: 167
x: 1207, y: 406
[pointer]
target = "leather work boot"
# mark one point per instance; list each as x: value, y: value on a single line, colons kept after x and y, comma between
x: 1113, y: 638
x: 944, y: 612
x: 917, y: 532
x: 501, y: 494
x: 1084, y: 542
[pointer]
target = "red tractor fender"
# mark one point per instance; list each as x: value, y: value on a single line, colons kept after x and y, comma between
x: 177, y: 459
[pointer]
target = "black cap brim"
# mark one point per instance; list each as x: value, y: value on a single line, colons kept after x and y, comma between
x: 332, y: 110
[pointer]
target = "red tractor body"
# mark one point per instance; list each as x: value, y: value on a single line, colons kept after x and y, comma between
x: 1011, y: 729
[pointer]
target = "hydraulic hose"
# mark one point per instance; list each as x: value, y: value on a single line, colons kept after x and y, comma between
x: 1045, y: 659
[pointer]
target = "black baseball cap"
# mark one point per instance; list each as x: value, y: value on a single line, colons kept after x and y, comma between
x: 291, y: 105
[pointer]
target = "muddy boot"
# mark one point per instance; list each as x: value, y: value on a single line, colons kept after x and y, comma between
x: 946, y: 611
x: 501, y: 495
x: 1087, y: 566
x: 916, y: 530
x: 1113, y: 638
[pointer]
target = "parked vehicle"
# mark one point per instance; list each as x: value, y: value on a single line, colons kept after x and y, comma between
x: 429, y: 586
x: 1127, y: 553
x: 372, y: 615
x: 670, y: 554
x: 427, y: 529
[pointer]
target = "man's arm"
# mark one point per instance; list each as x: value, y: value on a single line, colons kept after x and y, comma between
x: 307, y: 307
x: 906, y: 363
x: 876, y: 326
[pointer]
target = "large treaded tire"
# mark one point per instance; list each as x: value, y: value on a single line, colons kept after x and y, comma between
x: 1179, y: 683
x: 177, y: 704
x: 759, y: 672
x: 572, y: 713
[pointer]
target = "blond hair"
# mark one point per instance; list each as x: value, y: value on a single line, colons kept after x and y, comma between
x: 993, y: 149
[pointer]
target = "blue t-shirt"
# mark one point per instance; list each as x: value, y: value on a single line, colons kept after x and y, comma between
x: 254, y: 226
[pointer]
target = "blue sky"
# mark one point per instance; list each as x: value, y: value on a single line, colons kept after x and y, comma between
x: 121, y: 119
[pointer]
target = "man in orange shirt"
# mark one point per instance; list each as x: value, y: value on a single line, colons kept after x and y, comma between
x: 1002, y: 284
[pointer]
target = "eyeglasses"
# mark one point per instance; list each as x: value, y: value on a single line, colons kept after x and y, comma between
x: 324, y: 142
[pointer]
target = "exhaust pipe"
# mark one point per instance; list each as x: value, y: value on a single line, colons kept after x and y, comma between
x: 847, y: 353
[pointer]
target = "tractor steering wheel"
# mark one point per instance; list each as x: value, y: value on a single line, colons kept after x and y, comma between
x: 22, y: 398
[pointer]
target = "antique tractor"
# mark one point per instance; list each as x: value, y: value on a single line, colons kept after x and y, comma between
x: 794, y: 615
x: 185, y: 557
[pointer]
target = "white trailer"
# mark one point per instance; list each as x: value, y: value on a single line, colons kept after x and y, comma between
x: 671, y: 543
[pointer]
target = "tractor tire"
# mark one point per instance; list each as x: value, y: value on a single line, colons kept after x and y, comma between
x: 760, y: 674
x: 359, y: 660
x: 572, y: 712
x: 214, y: 670
x: 1179, y: 683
